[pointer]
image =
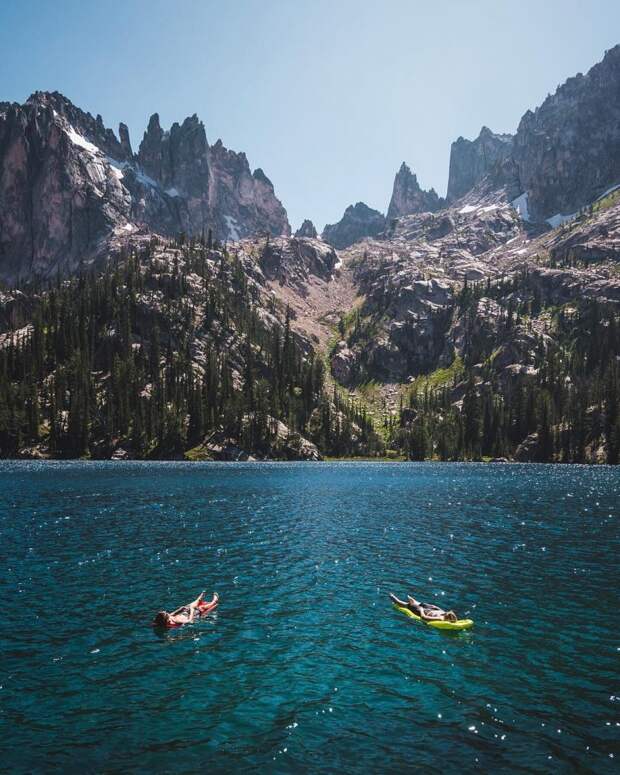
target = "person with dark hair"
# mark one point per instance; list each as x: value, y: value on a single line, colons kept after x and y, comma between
x: 426, y: 611
x: 186, y: 614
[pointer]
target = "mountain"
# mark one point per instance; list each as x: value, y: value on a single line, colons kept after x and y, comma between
x: 307, y: 229
x: 471, y: 160
x: 358, y: 221
x: 564, y: 155
x: 408, y: 197
x: 70, y: 189
x: 485, y: 326
x: 175, y: 350
x: 567, y: 151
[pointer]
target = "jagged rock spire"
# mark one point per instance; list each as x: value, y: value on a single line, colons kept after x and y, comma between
x: 306, y: 230
x: 408, y: 197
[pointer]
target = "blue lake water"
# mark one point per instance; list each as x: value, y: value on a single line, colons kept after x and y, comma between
x: 305, y: 666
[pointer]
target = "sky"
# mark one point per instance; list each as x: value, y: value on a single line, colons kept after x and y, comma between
x: 328, y: 97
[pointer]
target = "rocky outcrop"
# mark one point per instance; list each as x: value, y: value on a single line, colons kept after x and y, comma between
x: 568, y: 150
x: 411, y: 320
x: 68, y: 186
x: 285, y: 445
x: 527, y: 451
x: 307, y: 230
x: 471, y: 160
x: 358, y: 221
x: 242, y: 203
x: 408, y: 197
x: 564, y: 155
x: 343, y: 364
x: 292, y: 261
x: 15, y: 310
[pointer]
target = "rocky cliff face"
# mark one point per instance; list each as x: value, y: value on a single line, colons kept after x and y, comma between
x: 565, y: 154
x: 61, y: 190
x: 568, y: 150
x: 68, y: 186
x: 471, y: 160
x: 408, y: 197
x: 358, y: 221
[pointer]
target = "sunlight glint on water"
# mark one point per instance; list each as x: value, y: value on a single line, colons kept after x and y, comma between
x: 305, y: 665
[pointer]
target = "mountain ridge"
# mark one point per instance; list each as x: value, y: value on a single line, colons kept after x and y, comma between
x: 482, y: 326
x: 69, y: 185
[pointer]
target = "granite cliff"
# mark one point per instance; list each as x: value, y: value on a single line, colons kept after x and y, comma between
x: 70, y: 188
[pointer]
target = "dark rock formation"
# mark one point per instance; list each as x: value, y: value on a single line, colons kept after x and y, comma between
x: 358, y: 221
x: 471, y: 160
x: 307, y: 230
x: 568, y: 150
x: 408, y: 197
x: 68, y: 186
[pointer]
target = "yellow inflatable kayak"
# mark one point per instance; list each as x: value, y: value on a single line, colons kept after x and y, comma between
x: 460, y: 624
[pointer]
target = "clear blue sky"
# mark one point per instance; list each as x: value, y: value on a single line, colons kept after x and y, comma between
x: 327, y: 96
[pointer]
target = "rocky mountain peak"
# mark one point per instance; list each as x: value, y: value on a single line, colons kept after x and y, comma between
x: 150, y: 152
x: 69, y: 186
x: 123, y: 133
x: 408, y: 197
x: 259, y: 175
x: 471, y: 160
x: 568, y: 149
x: 358, y: 221
x: 53, y: 107
x: 307, y: 230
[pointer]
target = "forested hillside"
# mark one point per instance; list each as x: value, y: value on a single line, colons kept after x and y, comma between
x: 171, y: 350
x: 564, y: 406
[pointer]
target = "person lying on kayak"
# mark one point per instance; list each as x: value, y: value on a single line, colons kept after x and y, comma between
x: 426, y: 611
x: 185, y: 614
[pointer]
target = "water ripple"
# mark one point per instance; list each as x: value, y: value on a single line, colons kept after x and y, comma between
x: 305, y: 666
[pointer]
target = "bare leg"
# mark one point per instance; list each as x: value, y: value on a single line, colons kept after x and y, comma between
x: 191, y: 605
x: 415, y: 606
x: 411, y: 604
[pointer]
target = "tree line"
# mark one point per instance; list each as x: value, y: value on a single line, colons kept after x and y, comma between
x: 156, y: 352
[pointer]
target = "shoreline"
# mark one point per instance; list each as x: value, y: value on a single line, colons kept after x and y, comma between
x: 360, y: 459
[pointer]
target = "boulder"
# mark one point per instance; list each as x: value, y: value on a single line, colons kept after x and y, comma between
x: 527, y: 451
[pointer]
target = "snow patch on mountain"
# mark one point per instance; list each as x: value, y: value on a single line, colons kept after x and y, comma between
x: 116, y: 167
x: 144, y: 178
x: 558, y: 219
x: 233, y: 228
x: 521, y: 206
x: 77, y: 139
